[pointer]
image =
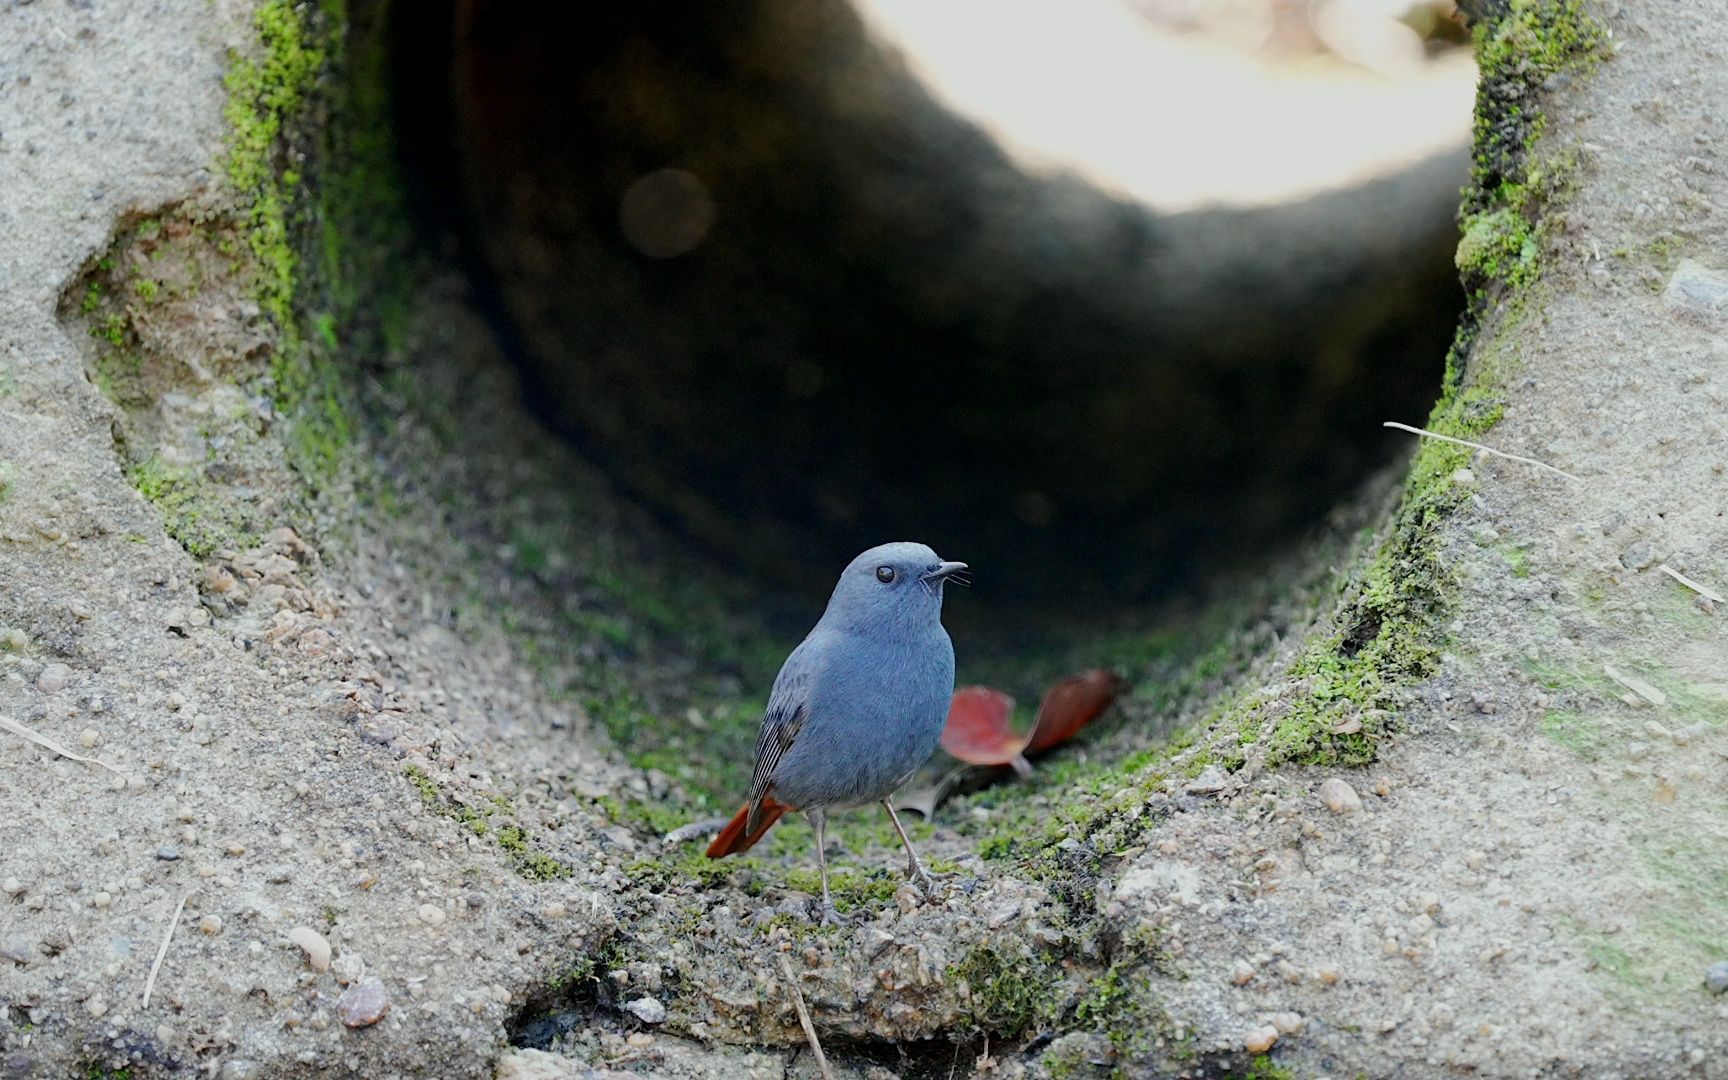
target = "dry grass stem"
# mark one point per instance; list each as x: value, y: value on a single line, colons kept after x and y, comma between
x: 1636, y: 685
x: 156, y: 965
x: 1702, y: 590
x: 49, y: 744
x: 1478, y: 446
x: 804, y: 1017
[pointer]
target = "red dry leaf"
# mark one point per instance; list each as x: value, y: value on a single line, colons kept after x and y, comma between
x: 1072, y: 704
x: 978, y: 730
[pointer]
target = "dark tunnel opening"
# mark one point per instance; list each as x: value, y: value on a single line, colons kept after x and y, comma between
x: 795, y: 306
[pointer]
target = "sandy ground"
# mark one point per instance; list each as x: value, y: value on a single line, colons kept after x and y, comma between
x: 1533, y: 885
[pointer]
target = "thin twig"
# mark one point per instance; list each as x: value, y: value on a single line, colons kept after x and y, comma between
x: 696, y: 830
x: 804, y: 1018
x: 150, y: 983
x: 1479, y: 446
x: 44, y: 741
x: 1702, y: 590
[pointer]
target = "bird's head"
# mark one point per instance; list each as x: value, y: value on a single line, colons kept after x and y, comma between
x: 892, y: 587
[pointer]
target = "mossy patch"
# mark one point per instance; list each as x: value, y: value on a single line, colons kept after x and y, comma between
x: 194, y: 514
x: 1521, y: 53
x: 493, y: 822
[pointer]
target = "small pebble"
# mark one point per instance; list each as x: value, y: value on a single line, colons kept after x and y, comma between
x: 1260, y: 1039
x: 314, y: 945
x: 431, y: 914
x: 96, y: 1007
x: 17, y: 949
x: 1716, y: 978
x: 11, y: 886
x: 908, y: 898
x: 1243, y: 973
x: 89, y: 737
x: 168, y: 853
x: 210, y: 924
x: 1287, y: 1023
x: 1327, y: 976
x: 363, y: 1004
x: 639, y: 1039
x: 647, y: 1009
x: 1474, y: 859
x: 1339, y: 796
x: 54, y: 678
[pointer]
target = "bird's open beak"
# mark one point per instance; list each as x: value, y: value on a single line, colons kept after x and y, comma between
x: 944, y: 571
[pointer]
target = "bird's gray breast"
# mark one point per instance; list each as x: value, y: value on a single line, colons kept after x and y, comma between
x: 876, y: 711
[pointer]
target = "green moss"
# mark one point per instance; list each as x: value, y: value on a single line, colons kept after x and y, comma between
x: 265, y: 93
x: 193, y: 514
x: 1011, y: 989
x: 1578, y: 733
x: 852, y: 890
x: 510, y: 839
x: 1519, y: 55
x: 1263, y: 1068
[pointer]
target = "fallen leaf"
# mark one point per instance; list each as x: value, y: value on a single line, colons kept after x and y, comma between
x: 1072, y: 704
x: 978, y: 730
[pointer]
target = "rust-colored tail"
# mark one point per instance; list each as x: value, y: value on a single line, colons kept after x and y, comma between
x: 733, y: 838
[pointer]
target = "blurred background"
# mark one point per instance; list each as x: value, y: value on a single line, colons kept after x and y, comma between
x: 1101, y: 296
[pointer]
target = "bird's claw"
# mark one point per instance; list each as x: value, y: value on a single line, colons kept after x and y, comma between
x: 830, y: 915
x: 923, y: 879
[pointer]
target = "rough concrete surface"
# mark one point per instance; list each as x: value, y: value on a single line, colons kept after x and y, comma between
x: 249, y: 790
x: 322, y: 768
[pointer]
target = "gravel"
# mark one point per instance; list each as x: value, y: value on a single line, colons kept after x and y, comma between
x: 364, y: 1003
x: 1716, y: 977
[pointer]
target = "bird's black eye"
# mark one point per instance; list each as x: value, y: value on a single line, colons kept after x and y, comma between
x: 885, y: 574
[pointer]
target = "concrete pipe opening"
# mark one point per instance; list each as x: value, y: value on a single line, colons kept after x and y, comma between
x: 755, y: 261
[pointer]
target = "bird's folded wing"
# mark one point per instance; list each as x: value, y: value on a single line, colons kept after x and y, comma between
x: 781, y: 721
x: 779, y: 729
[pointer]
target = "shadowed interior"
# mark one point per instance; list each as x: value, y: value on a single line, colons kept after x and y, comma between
x: 796, y: 306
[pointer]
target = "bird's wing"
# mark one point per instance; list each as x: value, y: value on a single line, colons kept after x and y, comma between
x: 788, y: 708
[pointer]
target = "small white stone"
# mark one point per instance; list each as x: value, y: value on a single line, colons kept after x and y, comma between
x: 1242, y: 973
x: 314, y: 945
x: 210, y: 924
x: 431, y: 914
x: 11, y: 886
x: 647, y: 1009
x: 1260, y: 1039
x: 1287, y: 1023
x: 1339, y: 796
x: 89, y: 737
x: 1475, y: 859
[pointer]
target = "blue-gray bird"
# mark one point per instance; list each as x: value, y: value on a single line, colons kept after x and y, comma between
x: 858, y: 706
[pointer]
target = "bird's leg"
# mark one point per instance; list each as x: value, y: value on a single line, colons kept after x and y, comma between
x: 819, y: 821
x: 914, y: 869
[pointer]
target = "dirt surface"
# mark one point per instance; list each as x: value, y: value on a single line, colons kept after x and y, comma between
x: 374, y: 747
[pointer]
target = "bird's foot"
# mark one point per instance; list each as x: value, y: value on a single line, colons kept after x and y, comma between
x: 925, y: 880
x: 829, y: 915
